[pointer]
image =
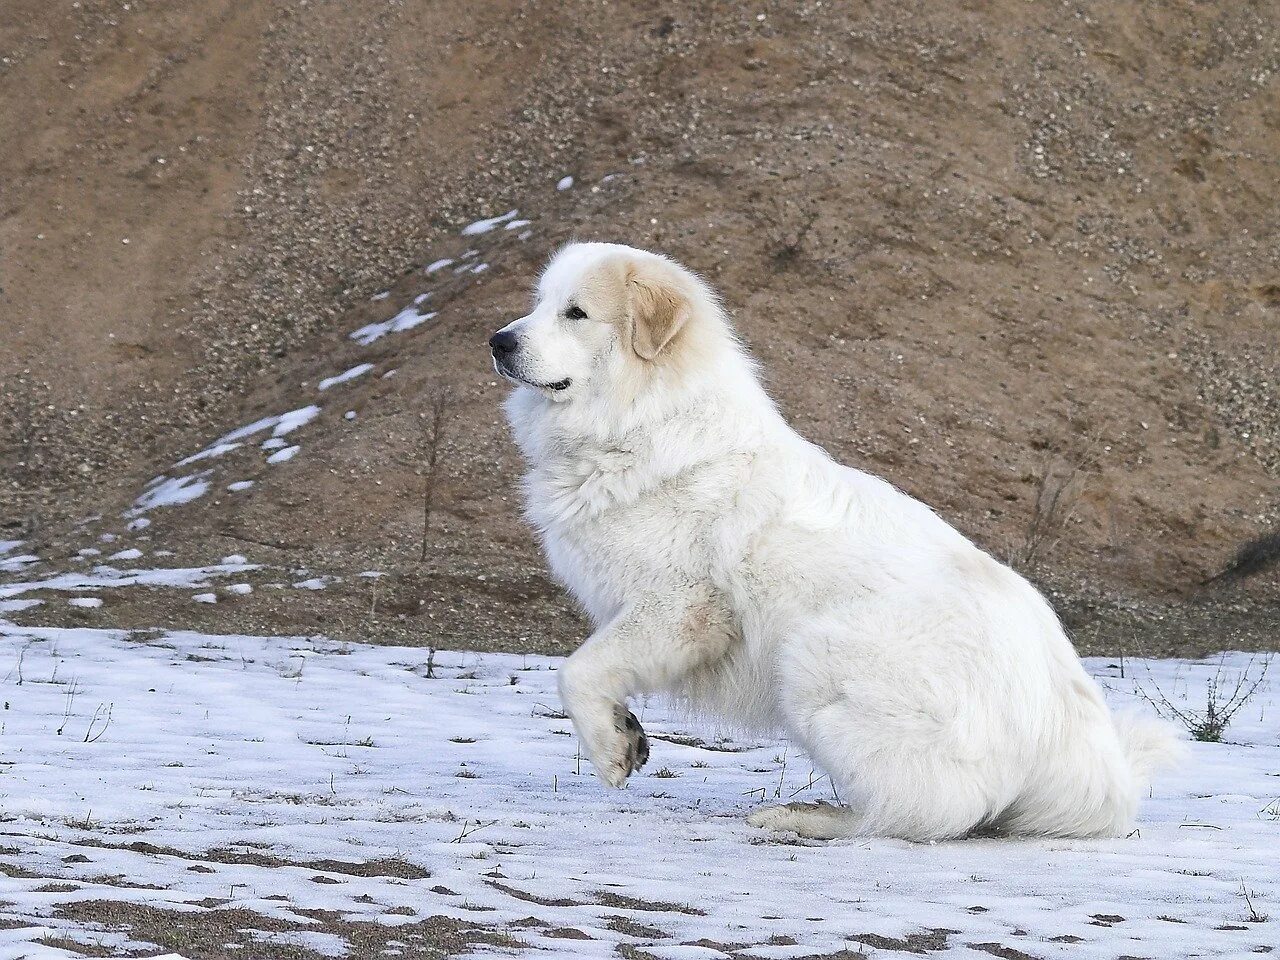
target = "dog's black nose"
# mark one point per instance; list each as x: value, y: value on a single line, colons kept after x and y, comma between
x: 503, y: 342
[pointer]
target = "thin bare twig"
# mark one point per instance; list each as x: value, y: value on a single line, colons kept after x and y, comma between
x: 434, y: 434
x: 66, y: 713
x: 1253, y: 916
x: 99, y: 714
x: 468, y: 831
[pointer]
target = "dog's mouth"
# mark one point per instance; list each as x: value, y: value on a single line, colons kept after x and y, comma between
x: 508, y: 374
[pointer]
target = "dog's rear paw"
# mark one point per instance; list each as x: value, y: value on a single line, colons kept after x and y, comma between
x: 778, y: 817
x: 816, y: 821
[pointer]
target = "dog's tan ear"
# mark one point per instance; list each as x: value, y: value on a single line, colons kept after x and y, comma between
x: 658, y: 309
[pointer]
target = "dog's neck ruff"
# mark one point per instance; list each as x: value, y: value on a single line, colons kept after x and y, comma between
x: 590, y: 455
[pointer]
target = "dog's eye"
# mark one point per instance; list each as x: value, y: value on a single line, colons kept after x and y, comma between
x: 575, y: 312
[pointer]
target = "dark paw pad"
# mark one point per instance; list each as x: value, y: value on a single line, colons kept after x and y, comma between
x: 637, y: 742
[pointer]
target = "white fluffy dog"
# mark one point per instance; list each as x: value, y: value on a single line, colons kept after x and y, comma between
x: 727, y: 561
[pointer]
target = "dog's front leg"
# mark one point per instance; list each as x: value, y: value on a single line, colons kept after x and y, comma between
x: 647, y: 648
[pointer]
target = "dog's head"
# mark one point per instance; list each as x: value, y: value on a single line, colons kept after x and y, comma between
x: 603, y: 314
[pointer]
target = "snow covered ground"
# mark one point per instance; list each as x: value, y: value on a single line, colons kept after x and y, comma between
x: 309, y: 788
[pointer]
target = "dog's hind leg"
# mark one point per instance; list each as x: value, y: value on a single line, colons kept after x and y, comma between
x: 816, y: 821
x: 915, y: 753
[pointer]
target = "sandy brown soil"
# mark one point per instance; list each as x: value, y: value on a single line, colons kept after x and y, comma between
x: 1005, y: 254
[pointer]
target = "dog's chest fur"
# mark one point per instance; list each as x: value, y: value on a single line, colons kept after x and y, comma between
x: 637, y: 510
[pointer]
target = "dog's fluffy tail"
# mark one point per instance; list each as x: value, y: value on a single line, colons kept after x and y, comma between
x: 1150, y: 745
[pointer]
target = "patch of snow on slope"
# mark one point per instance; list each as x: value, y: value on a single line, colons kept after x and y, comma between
x: 13, y: 606
x: 331, y: 758
x: 358, y: 370
x: 8, y: 546
x: 484, y: 226
x: 294, y: 419
x: 282, y: 456
x: 249, y: 429
x: 209, y: 453
x: 104, y: 577
x: 170, y: 492
x: 314, y: 941
x: 406, y: 319
x: 278, y: 425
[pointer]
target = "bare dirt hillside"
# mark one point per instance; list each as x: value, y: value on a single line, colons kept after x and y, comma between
x: 1021, y: 258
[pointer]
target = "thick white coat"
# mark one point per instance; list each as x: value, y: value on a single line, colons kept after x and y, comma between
x: 727, y: 561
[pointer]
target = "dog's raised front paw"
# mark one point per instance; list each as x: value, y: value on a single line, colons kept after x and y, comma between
x: 637, y: 754
x: 628, y: 753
